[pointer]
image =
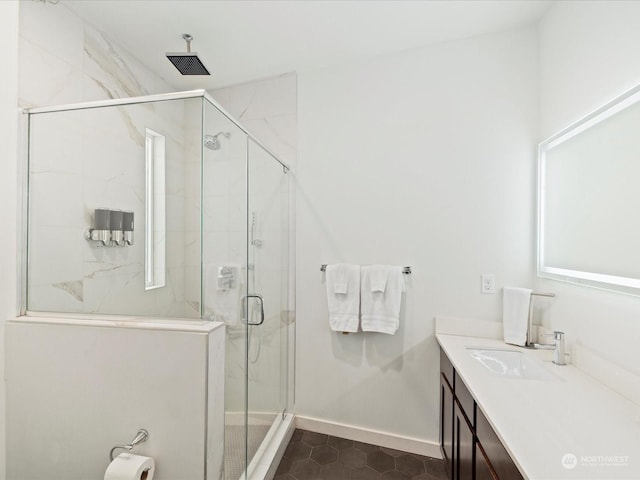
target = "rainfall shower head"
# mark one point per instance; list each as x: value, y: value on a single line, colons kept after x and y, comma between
x: 188, y: 62
x: 212, y: 142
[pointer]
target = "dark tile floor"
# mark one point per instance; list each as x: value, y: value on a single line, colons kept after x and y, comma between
x: 313, y: 456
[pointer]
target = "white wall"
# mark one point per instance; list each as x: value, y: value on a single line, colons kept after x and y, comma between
x: 8, y: 182
x: 589, y: 54
x: 424, y: 158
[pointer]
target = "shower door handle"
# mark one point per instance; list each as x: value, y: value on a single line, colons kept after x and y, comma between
x: 246, y: 308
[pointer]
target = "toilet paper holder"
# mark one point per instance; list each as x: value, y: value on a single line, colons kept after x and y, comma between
x: 140, y: 437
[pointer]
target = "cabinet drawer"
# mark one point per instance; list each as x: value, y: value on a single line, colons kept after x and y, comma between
x: 466, y: 400
x: 496, y: 454
x: 446, y: 367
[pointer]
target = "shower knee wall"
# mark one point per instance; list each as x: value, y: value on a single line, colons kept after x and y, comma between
x: 161, y: 376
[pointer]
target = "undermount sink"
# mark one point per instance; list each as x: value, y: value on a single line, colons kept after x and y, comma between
x: 510, y: 364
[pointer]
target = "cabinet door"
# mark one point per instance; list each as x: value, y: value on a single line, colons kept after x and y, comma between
x: 484, y: 470
x: 464, y: 438
x: 499, y: 459
x: 446, y: 424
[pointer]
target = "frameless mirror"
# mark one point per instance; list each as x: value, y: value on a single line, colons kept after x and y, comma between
x: 589, y: 199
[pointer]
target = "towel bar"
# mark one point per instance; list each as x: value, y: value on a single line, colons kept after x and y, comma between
x: 405, y: 270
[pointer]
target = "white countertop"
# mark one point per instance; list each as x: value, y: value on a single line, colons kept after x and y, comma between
x: 540, y: 422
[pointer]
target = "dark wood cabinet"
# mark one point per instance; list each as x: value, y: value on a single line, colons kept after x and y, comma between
x: 470, y: 448
x: 496, y: 454
x: 483, y: 468
x: 464, y: 445
x: 446, y: 426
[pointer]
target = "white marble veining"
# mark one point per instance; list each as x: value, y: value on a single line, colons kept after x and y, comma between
x: 109, y: 67
x: 63, y: 80
x: 268, y: 109
x: 57, y: 30
x: 573, y: 427
x: 101, y: 151
x: 87, y: 159
x: 110, y: 173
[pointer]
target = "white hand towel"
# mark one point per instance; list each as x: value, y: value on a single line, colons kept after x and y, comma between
x: 379, y: 279
x: 381, y: 306
x: 515, y: 314
x: 340, y: 278
x: 343, y: 297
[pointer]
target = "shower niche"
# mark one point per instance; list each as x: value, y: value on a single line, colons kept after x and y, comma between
x: 210, y: 239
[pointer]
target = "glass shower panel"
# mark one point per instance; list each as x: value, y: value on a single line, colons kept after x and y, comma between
x: 85, y: 159
x: 224, y: 260
x: 202, y: 231
x: 268, y: 255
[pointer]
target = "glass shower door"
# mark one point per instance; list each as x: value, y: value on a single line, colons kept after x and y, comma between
x: 267, y: 274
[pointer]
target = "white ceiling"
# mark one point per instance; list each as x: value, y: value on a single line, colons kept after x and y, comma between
x: 240, y: 41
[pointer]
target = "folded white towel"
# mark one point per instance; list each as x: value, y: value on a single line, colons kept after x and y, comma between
x: 515, y: 314
x: 343, y: 297
x: 381, y: 297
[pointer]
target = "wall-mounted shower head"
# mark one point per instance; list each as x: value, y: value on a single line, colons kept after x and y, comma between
x: 212, y: 142
x: 188, y: 62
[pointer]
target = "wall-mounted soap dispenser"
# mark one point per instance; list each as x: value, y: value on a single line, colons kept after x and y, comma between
x: 111, y: 228
x: 127, y: 227
x: 117, y: 235
x: 101, y: 232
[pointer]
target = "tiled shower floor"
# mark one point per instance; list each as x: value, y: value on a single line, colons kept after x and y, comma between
x: 313, y: 456
x: 234, y: 447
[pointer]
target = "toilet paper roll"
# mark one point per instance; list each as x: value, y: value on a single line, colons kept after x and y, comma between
x: 130, y: 467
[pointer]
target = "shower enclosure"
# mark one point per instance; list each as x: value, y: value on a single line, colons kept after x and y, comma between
x: 164, y: 206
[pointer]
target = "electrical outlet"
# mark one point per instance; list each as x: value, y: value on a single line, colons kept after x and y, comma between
x: 488, y: 283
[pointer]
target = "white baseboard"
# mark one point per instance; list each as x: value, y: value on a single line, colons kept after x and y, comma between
x: 374, y: 437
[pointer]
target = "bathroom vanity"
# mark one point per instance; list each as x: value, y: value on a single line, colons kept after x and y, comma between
x: 470, y: 447
x: 509, y: 413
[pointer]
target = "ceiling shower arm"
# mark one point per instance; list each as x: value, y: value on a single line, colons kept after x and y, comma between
x: 187, y: 38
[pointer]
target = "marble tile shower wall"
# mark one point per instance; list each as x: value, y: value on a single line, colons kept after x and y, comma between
x: 268, y: 109
x: 89, y: 159
x: 63, y: 59
x: 81, y: 160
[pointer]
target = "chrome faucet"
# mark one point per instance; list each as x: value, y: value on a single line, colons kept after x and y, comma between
x: 557, y: 346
